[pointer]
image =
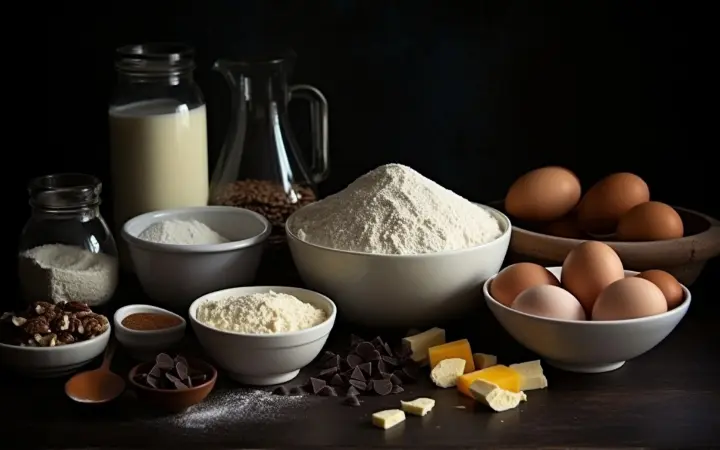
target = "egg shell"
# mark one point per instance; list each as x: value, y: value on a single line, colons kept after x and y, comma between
x: 514, y: 279
x: 629, y: 298
x: 668, y: 284
x: 602, y: 206
x: 549, y: 301
x: 543, y: 194
x: 588, y: 269
x: 650, y: 221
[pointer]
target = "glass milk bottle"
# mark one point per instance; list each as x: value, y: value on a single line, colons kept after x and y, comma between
x: 158, y: 132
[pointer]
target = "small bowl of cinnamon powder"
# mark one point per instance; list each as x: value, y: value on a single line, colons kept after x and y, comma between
x: 146, y: 330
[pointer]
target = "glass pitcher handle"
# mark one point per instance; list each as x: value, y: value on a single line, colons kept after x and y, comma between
x: 319, y: 128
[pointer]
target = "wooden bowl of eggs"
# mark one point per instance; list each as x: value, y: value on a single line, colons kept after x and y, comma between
x: 551, y: 216
x: 590, y: 315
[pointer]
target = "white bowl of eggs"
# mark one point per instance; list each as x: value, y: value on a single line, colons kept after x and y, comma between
x: 590, y: 315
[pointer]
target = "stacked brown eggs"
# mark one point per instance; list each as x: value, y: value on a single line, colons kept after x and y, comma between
x: 592, y: 286
x: 618, y: 206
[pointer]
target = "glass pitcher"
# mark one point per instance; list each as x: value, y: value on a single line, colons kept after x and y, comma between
x: 261, y: 166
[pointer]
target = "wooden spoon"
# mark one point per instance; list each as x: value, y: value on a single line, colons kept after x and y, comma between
x: 99, y: 385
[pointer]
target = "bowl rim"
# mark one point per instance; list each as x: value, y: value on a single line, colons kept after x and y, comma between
x: 678, y: 310
x: 502, y: 218
x: 74, y: 345
x: 148, y: 333
x: 202, y: 248
x: 714, y: 223
x: 192, y: 311
x: 212, y: 369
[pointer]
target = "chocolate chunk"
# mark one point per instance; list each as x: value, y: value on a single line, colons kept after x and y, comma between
x: 337, y: 380
x: 395, y: 380
x: 296, y: 390
x: 328, y: 373
x: 382, y: 376
x: 357, y: 375
x: 374, y: 356
x: 353, y: 360
x: 281, y: 390
x: 326, y: 357
x: 366, y: 350
x: 317, y: 384
x: 152, y: 381
x: 369, y: 386
x: 352, y: 390
x: 176, y: 382
x: 327, y: 391
x: 366, y: 368
x: 332, y: 362
x: 355, y: 340
x: 357, y: 384
x: 382, y: 387
x: 389, y: 360
x: 351, y: 400
x: 198, y: 379
x: 377, y: 342
x: 382, y: 367
x: 181, y: 370
x: 181, y: 359
x: 156, y: 371
x: 397, y: 389
x: 164, y: 361
x: 388, y: 351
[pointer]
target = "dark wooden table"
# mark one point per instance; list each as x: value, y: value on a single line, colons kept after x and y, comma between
x: 666, y: 398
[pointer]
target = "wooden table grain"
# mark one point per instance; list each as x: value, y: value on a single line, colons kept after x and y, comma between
x: 668, y: 398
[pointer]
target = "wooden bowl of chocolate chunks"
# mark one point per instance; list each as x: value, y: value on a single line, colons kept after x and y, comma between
x: 173, y: 384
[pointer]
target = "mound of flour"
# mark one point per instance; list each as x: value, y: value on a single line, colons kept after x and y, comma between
x: 395, y: 210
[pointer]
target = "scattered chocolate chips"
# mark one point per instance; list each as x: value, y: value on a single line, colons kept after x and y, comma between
x: 170, y: 373
x: 296, y: 390
x: 327, y: 391
x: 389, y: 360
x: 365, y: 350
x: 397, y: 389
x: 316, y: 384
x: 351, y: 400
x: 352, y: 391
x: 354, y: 360
x: 329, y: 372
x: 281, y: 390
x: 359, y: 385
x: 366, y: 368
x: 337, y: 380
x: 382, y: 367
x: 382, y: 387
x: 357, y: 374
x: 395, y: 380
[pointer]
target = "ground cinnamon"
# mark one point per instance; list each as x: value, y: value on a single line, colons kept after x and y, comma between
x: 150, y: 321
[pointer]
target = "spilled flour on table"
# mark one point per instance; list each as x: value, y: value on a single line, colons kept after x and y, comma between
x: 241, y: 406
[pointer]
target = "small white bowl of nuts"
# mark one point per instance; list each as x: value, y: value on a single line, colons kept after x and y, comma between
x: 51, y: 340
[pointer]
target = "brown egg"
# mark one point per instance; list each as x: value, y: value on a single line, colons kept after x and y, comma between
x: 650, y: 221
x: 514, y: 279
x: 667, y: 283
x: 567, y: 227
x: 629, y: 298
x: 588, y: 269
x: 610, y: 198
x: 549, y: 301
x: 543, y: 194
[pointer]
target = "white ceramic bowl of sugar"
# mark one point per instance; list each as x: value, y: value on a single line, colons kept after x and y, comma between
x: 401, y: 290
x: 175, y: 275
x: 264, y: 359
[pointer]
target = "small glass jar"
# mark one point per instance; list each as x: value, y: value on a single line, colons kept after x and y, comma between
x: 67, y: 252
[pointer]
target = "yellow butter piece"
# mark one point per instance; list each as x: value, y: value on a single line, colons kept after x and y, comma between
x: 419, y: 406
x: 447, y: 371
x: 499, y: 375
x: 388, y: 418
x: 495, y: 397
x: 421, y: 342
x: 483, y: 360
x: 456, y: 349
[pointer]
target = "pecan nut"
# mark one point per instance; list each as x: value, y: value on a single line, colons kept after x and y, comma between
x: 76, y: 307
x: 37, y: 325
x: 64, y: 338
x: 41, y: 308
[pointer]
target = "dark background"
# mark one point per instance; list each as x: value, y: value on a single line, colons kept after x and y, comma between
x: 470, y: 93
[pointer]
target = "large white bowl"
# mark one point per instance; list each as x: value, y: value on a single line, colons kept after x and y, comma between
x: 587, y: 346
x: 175, y: 275
x: 264, y: 359
x: 47, y: 362
x: 400, y: 290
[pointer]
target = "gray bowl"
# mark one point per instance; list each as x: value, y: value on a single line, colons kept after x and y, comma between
x: 175, y: 275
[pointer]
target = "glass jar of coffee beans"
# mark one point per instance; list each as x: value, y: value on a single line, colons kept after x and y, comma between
x: 267, y: 198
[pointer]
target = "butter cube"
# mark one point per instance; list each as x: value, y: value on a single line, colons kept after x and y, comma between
x: 419, y: 406
x: 420, y: 343
x: 388, y: 418
x: 502, y: 376
x: 531, y: 375
x: 483, y: 360
x: 446, y: 373
x: 456, y: 349
x: 496, y: 398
